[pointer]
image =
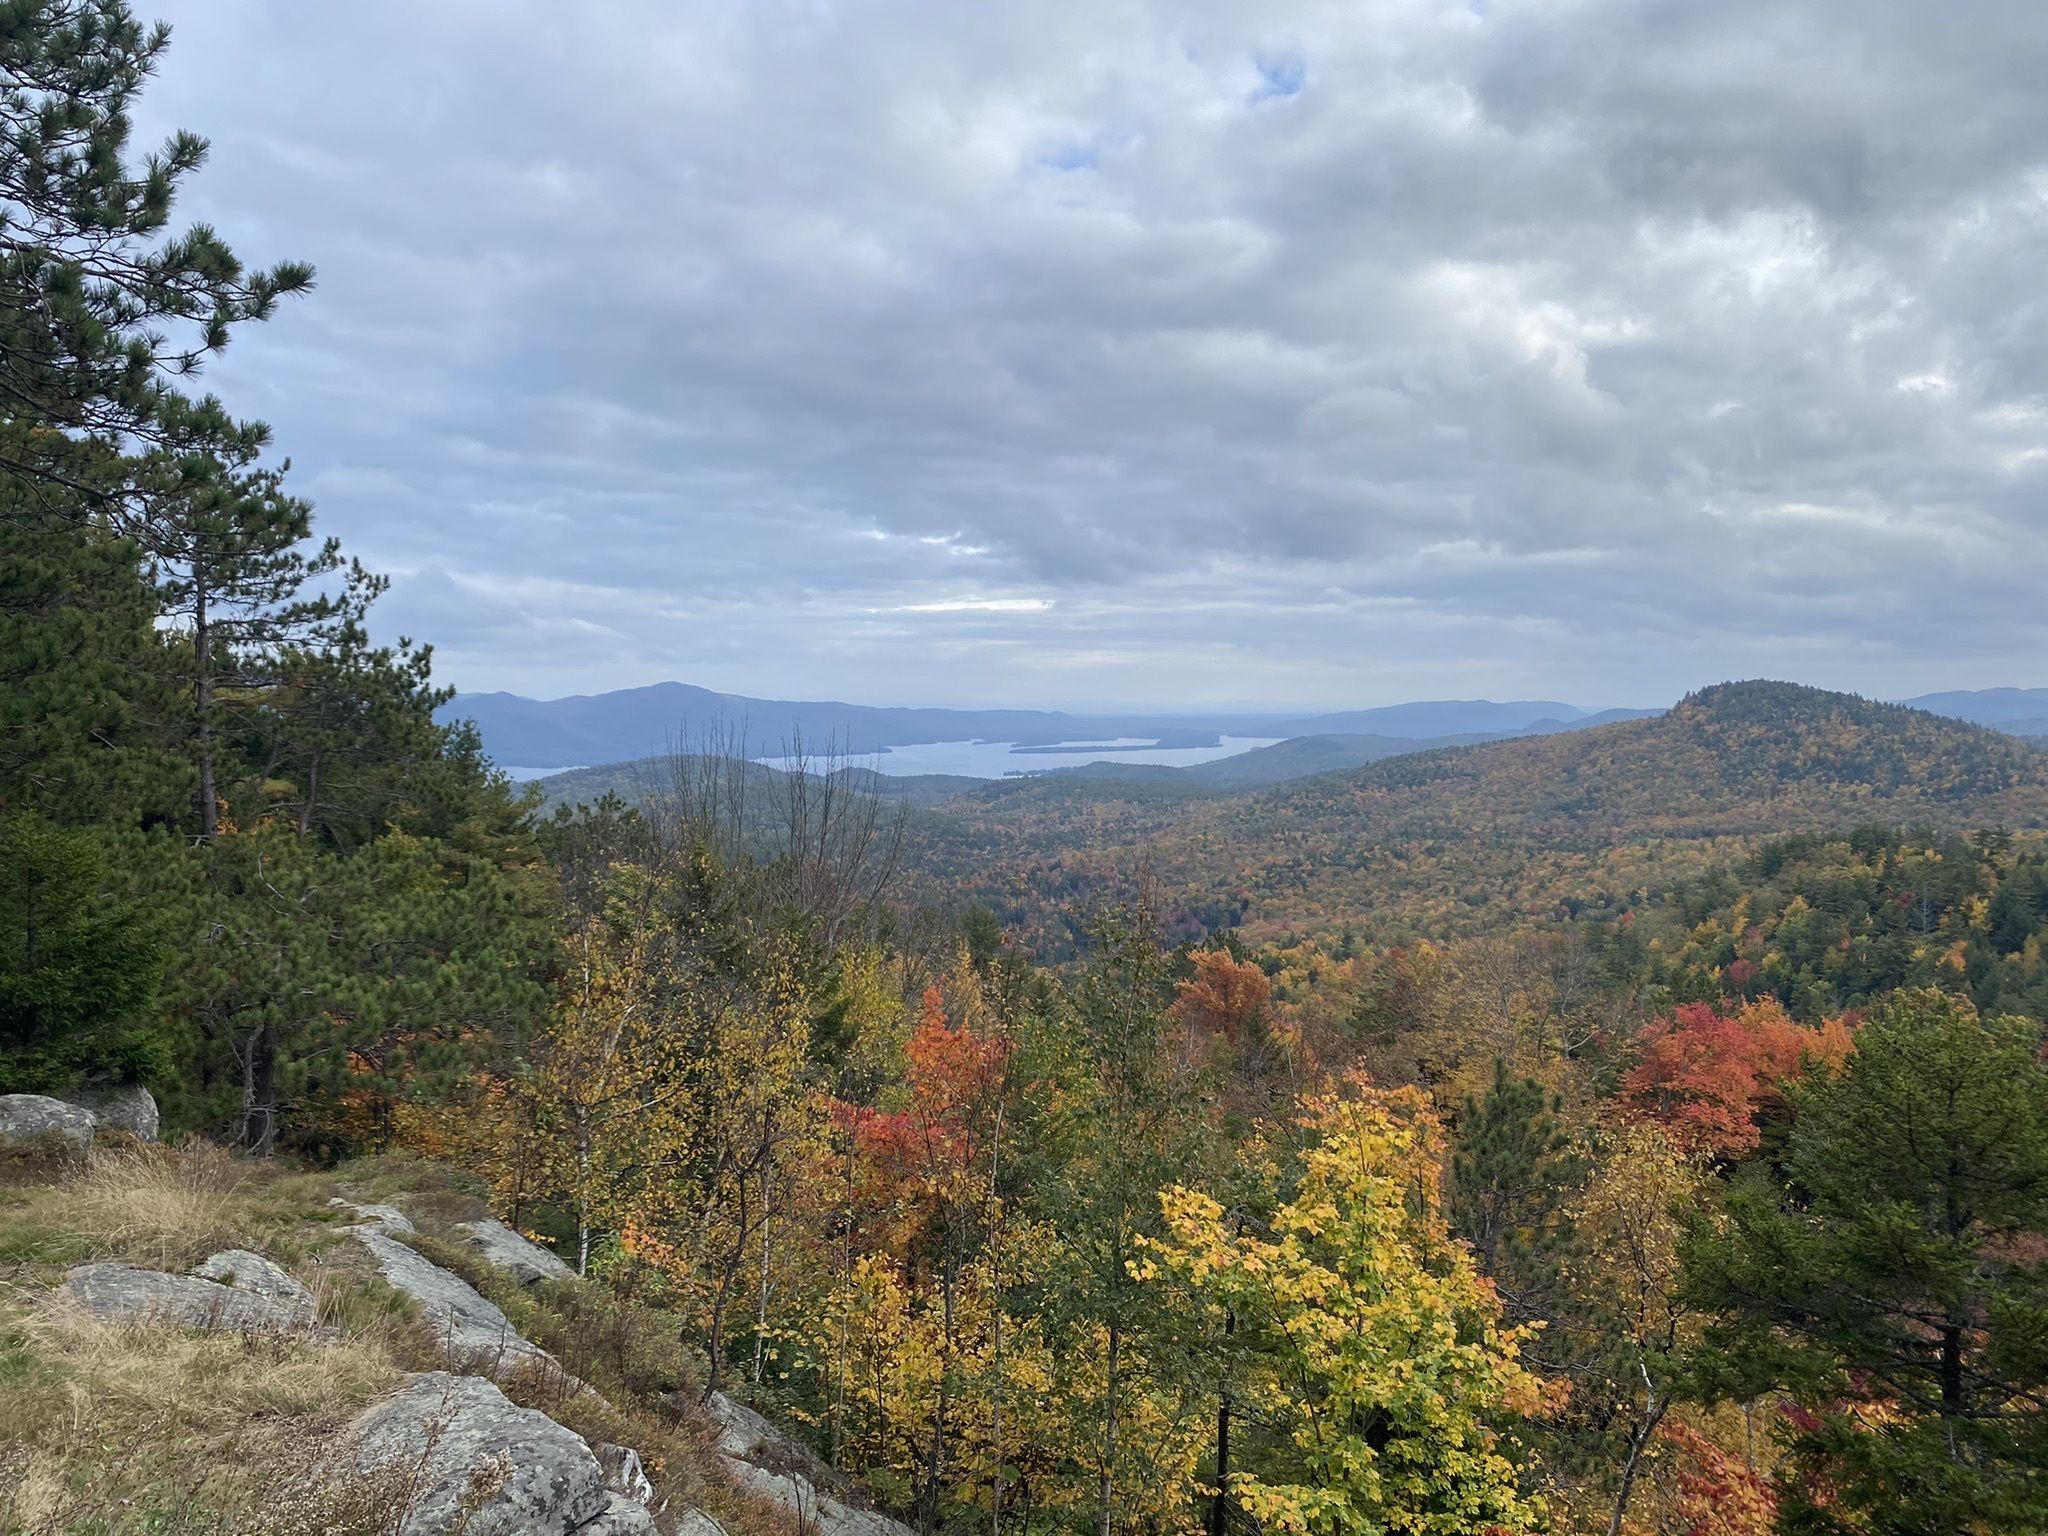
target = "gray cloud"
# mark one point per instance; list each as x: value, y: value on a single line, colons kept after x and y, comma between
x: 1082, y: 354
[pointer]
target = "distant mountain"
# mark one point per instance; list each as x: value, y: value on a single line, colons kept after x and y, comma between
x: 1303, y: 757
x: 1735, y: 757
x: 589, y: 730
x: 2016, y: 711
x: 1586, y: 722
x: 644, y: 777
x: 632, y: 723
x: 1435, y: 718
x: 1465, y: 839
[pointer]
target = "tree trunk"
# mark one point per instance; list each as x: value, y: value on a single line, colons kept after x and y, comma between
x: 583, y: 1195
x: 1638, y: 1443
x: 259, y: 1091
x: 846, y: 1282
x: 761, y: 1305
x: 1107, y: 1490
x: 1218, y: 1508
x: 202, y: 699
x: 935, y: 1468
x: 312, y: 795
x: 1952, y: 1405
x: 721, y: 1297
x: 714, y: 1373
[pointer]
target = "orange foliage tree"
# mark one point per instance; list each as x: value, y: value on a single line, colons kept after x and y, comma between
x: 1718, y: 1494
x: 923, y: 1175
x: 1224, y: 998
x: 1710, y: 1076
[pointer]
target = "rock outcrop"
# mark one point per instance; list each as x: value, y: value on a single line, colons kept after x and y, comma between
x: 123, y: 1294
x: 623, y: 1472
x: 767, y: 1463
x: 252, y: 1274
x: 128, y: 1111
x: 385, y: 1218
x: 29, y: 1122
x: 527, y: 1262
x: 472, y: 1328
x: 759, y: 1457
x: 466, y: 1449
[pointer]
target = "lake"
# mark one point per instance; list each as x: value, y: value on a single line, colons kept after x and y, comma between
x: 995, y: 759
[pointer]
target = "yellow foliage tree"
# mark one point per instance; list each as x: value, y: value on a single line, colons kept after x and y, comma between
x: 606, y: 1068
x: 1627, y: 1269
x: 1377, y: 1353
x: 743, y: 1113
x: 894, y: 1356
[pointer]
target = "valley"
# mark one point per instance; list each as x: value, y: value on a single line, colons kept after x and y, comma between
x: 1186, y: 1080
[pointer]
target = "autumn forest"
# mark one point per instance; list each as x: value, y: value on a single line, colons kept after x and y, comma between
x: 1637, y: 1130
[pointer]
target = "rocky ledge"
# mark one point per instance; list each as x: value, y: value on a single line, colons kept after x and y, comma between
x: 234, y: 1291
x: 468, y: 1451
x: 464, y: 1448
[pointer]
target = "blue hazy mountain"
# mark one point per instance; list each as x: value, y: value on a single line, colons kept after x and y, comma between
x: 2016, y: 711
x: 630, y: 723
x: 1436, y: 718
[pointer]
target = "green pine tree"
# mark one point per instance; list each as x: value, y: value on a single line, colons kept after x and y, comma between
x: 102, y: 308
x: 1895, y: 1281
x: 79, y: 965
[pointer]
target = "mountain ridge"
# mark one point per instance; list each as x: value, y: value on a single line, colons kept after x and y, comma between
x: 1463, y: 837
x: 588, y: 730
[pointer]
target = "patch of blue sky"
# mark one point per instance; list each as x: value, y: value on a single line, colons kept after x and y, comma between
x: 1280, y: 76
x: 1070, y: 157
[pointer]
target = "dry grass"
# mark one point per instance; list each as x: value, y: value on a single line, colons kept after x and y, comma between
x: 151, y: 1431
x: 148, y: 1429
x: 157, y: 1207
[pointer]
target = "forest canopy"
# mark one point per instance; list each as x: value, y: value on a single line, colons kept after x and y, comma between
x: 1524, y: 1138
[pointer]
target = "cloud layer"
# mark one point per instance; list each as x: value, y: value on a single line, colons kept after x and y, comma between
x: 1128, y: 352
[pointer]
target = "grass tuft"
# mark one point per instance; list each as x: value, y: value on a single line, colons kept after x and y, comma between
x: 157, y: 1207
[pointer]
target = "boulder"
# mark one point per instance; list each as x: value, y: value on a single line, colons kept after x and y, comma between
x: 620, y: 1517
x: 500, y: 1246
x: 694, y: 1522
x: 128, y: 1111
x: 255, y: 1275
x: 768, y: 1464
x: 385, y: 1218
x: 452, y: 1435
x: 122, y: 1293
x: 31, y: 1123
x: 470, y: 1325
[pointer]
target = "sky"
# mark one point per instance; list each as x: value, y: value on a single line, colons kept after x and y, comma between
x: 1119, y: 353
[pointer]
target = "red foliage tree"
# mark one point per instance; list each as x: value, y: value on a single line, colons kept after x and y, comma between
x: 923, y: 1153
x: 1710, y: 1076
x: 1718, y: 1494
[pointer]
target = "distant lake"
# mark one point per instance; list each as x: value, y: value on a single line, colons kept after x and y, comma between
x: 995, y: 759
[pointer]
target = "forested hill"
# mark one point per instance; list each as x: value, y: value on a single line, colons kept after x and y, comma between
x: 1734, y: 758
x: 1457, y: 839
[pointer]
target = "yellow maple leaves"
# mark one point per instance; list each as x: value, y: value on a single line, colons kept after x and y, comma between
x: 1375, y: 1350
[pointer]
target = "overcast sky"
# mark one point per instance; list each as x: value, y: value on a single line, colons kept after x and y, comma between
x: 1117, y: 353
